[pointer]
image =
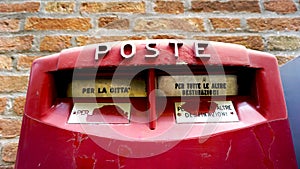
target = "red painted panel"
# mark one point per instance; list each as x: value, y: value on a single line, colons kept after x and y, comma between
x: 153, y: 139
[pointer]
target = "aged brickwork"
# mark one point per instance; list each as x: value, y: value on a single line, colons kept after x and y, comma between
x: 31, y: 29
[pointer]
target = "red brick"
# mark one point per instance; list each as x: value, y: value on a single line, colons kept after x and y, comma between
x: 20, y: 7
x: 75, y: 24
x: 225, y: 24
x: 252, y: 42
x: 6, y: 166
x: 25, y: 62
x: 9, y: 152
x: 284, y: 59
x: 182, y: 24
x: 169, y: 7
x: 18, y: 105
x: 84, y: 40
x: 55, y: 43
x: 5, y: 63
x: 98, y: 7
x: 13, y: 83
x: 10, y: 128
x: 9, y: 25
x: 113, y: 22
x: 280, y: 6
x: 166, y: 36
x: 279, y: 24
x: 60, y: 7
x: 251, y: 6
x: 3, y: 102
x: 18, y: 43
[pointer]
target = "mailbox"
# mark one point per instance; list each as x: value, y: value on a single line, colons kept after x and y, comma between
x: 156, y: 104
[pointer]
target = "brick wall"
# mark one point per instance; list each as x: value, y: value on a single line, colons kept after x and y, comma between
x: 32, y: 29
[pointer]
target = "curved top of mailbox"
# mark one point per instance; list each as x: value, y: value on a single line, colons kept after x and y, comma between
x: 155, y: 52
x: 159, y: 52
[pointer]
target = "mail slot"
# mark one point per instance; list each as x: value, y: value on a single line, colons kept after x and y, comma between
x: 156, y: 104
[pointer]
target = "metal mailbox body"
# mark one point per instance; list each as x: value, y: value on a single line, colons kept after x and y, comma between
x: 259, y: 138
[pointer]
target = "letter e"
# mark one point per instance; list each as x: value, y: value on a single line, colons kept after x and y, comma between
x: 199, y: 49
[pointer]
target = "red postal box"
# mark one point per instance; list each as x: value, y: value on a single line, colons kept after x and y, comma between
x: 156, y: 104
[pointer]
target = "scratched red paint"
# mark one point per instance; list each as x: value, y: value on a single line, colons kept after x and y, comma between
x: 261, y: 139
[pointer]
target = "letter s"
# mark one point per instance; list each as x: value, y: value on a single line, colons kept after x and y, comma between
x: 149, y: 47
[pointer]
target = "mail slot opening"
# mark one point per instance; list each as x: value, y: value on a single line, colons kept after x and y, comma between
x: 209, y: 94
x: 243, y: 79
x: 106, y: 96
x: 198, y: 92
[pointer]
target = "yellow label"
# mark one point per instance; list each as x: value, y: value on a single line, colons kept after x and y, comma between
x: 198, y: 85
x: 107, y: 88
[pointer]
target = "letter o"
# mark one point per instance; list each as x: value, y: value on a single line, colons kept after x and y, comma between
x: 133, y: 50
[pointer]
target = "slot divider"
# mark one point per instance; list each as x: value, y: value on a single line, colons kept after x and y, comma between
x: 152, y: 99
